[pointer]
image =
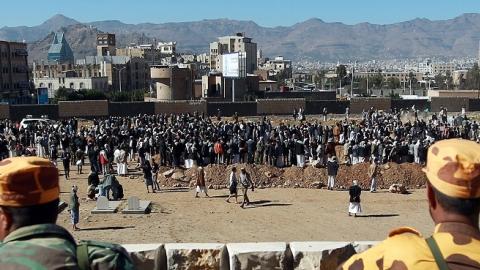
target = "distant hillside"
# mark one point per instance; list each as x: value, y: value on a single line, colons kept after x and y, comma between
x: 313, y: 39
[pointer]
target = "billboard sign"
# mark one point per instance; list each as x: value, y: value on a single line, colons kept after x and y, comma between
x: 231, y: 65
x: 42, y: 94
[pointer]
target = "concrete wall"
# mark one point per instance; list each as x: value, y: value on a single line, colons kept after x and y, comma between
x: 279, y: 106
x: 180, y: 106
x: 85, y: 108
x: 229, y: 108
x: 420, y: 104
x: 474, y: 105
x: 18, y: 112
x: 335, y: 107
x: 130, y: 108
x: 309, y: 95
x: 357, y: 105
x: 248, y: 256
x: 453, y: 104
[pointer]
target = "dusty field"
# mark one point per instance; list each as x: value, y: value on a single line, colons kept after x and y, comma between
x: 278, y: 214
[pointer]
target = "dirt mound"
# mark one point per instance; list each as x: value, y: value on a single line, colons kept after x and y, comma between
x: 408, y: 174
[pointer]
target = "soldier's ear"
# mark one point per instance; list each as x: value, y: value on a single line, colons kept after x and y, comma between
x: 5, y: 224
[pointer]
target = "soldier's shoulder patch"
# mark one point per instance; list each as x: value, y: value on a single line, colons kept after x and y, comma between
x: 403, y: 230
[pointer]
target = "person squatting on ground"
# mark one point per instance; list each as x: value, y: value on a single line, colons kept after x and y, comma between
x: 453, y: 192
x: 30, y: 239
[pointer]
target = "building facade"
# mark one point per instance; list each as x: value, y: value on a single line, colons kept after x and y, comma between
x: 277, y: 66
x: 74, y: 83
x: 14, y: 71
x: 233, y: 44
x: 106, y: 44
x: 173, y: 82
x: 60, y: 51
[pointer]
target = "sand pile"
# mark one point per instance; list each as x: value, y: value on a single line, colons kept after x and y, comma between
x: 407, y: 174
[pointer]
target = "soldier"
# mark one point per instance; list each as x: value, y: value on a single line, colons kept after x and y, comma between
x: 453, y: 172
x: 29, y: 197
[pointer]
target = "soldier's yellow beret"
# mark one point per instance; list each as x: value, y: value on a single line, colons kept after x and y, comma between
x: 453, y: 168
x: 27, y: 181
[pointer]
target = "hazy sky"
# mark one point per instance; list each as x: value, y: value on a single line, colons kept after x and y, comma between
x: 263, y: 12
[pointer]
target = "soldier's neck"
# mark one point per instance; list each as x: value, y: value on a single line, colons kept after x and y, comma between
x: 446, y: 217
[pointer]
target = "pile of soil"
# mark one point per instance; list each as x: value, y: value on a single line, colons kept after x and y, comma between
x: 408, y: 174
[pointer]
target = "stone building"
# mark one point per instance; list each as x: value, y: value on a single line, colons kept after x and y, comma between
x: 233, y: 44
x: 173, y: 82
x: 14, y: 72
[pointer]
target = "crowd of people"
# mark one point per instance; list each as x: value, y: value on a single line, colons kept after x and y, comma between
x: 194, y: 139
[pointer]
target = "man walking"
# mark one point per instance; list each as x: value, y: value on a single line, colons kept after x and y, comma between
x: 246, y: 182
x: 372, y: 174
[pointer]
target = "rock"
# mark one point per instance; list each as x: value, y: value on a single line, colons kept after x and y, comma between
x: 196, y: 256
x: 259, y: 256
x: 316, y: 185
x: 269, y: 174
x: 169, y: 173
x: 193, y: 183
x: 178, y: 175
x: 296, y: 186
x: 386, y: 166
x: 147, y: 256
x: 211, y: 187
x: 397, y: 188
x: 320, y: 255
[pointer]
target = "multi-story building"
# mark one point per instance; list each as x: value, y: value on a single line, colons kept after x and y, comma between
x: 121, y: 71
x: 232, y: 44
x: 279, y: 65
x: 14, y: 71
x: 60, y: 51
x: 442, y: 68
x: 167, y: 48
x: 106, y: 44
x: 74, y: 83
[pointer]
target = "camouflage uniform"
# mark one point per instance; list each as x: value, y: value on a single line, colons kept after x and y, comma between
x: 453, y: 168
x: 45, y: 246
x: 407, y: 249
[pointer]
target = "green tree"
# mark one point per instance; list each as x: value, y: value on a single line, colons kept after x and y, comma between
x: 440, y: 81
x: 393, y: 83
x: 449, y: 80
x: 472, y: 81
x: 341, y: 72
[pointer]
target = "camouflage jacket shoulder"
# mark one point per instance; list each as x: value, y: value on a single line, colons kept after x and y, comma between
x: 45, y: 246
x: 405, y: 248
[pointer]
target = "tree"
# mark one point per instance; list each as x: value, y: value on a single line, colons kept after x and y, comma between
x: 319, y: 78
x: 341, y: 72
x: 393, y: 83
x: 440, y: 81
x: 449, y: 80
x: 472, y: 82
x: 413, y: 80
x: 377, y: 80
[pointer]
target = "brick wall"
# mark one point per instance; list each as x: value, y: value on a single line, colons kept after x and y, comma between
x: 18, y: 112
x: 279, y: 106
x: 333, y: 106
x: 130, y: 108
x: 229, y: 108
x: 84, y: 108
x: 453, y: 104
x: 357, y: 105
x: 183, y: 106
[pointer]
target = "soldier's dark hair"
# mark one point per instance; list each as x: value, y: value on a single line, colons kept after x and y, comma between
x: 33, y: 215
x: 466, y: 207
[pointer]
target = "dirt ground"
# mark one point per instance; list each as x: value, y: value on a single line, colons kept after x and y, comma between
x: 278, y: 214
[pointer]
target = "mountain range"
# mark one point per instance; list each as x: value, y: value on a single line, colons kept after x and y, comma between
x: 313, y: 39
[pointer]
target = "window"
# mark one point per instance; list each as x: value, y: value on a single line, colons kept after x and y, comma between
x: 50, y: 86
